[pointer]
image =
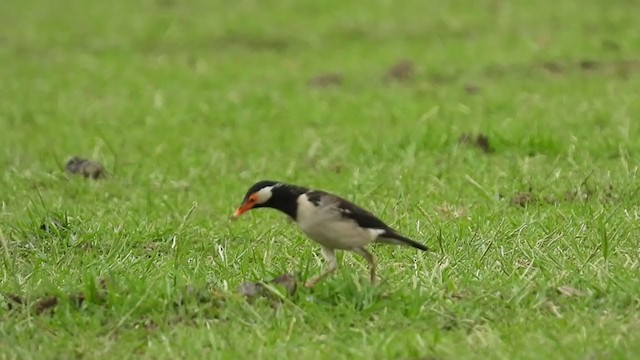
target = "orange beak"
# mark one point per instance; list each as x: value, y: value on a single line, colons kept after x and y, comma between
x: 242, y: 209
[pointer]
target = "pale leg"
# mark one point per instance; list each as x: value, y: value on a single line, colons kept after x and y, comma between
x: 332, y: 265
x: 370, y: 259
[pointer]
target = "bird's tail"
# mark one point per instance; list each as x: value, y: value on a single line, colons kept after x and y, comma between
x: 397, y: 239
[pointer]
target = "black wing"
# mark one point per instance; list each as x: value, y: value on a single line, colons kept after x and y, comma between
x: 362, y: 217
x: 348, y: 210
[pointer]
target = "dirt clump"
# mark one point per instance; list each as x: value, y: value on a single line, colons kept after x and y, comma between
x: 402, y: 71
x: 479, y: 141
x: 87, y: 168
x: 45, y: 304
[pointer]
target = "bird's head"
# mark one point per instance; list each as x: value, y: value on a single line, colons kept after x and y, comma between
x: 258, y: 195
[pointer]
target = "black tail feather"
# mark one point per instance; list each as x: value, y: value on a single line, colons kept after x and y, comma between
x: 397, y: 239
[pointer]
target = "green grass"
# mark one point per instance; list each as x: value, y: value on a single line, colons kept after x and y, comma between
x: 188, y: 103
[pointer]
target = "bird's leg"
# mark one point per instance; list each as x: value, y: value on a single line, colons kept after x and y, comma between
x: 370, y: 259
x: 332, y: 265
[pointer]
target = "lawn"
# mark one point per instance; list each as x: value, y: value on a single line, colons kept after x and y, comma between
x: 504, y: 135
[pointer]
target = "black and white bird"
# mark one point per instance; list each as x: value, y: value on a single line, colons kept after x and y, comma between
x: 329, y: 220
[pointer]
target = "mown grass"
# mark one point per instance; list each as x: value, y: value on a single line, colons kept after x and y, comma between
x: 189, y: 103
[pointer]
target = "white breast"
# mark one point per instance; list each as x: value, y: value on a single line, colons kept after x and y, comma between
x: 326, y: 226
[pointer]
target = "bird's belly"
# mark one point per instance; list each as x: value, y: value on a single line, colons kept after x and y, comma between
x: 339, y: 234
x: 326, y: 227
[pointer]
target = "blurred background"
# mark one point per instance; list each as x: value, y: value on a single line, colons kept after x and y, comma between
x: 201, y: 94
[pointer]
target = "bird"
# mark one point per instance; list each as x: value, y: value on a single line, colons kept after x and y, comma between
x: 328, y: 219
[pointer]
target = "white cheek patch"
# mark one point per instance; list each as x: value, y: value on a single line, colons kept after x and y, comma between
x: 264, y: 194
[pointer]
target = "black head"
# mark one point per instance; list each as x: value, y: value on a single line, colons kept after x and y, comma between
x: 273, y: 194
x: 260, y: 185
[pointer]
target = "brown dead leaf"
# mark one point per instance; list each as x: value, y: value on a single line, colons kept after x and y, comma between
x: 77, y: 299
x: 200, y: 295
x: 336, y: 168
x: 570, y: 291
x: 54, y: 225
x: 402, y: 71
x: 457, y: 296
x: 472, y: 89
x: 452, y: 212
x: 254, y: 289
x: 250, y: 289
x: 103, y: 284
x: 45, y: 303
x: 553, y: 308
x: 611, y: 45
x: 553, y: 67
x: 287, y: 281
x: 590, y: 64
x: 325, y: 80
x: 14, y: 301
x: 523, y: 199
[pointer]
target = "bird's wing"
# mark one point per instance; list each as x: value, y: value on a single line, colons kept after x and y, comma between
x: 365, y: 219
x: 347, y: 210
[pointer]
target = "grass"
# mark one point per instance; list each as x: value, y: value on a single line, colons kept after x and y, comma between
x: 188, y: 103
